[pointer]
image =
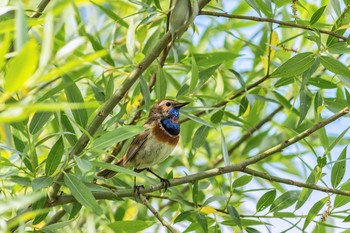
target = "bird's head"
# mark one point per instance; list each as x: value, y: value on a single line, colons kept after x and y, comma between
x: 166, y: 109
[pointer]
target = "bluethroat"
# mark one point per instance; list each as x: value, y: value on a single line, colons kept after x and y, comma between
x: 155, y: 144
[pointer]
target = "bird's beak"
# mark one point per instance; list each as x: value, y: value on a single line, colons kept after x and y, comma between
x: 180, y: 105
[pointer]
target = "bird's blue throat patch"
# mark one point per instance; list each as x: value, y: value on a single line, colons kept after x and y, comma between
x: 169, y: 125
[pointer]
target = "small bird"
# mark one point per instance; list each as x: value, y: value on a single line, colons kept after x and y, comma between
x: 155, y: 144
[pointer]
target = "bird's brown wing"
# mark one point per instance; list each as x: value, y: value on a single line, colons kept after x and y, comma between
x: 135, y: 146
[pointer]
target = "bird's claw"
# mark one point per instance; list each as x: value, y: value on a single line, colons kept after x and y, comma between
x: 137, y: 190
x: 165, y: 184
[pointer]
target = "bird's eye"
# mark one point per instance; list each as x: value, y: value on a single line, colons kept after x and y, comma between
x: 168, y: 104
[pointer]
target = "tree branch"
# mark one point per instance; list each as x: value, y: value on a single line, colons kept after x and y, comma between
x: 226, y: 169
x: 252, y: 18
x: 269, y: 177
x: 156, y: 214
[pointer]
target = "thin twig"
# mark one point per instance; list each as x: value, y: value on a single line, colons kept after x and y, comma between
x: 232, y: 97
x: 248, y: 134
x: 258, y: 19
x: 41, y: 7
x: 156, y: 214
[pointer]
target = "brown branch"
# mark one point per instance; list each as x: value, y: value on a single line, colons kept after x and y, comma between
x: 258, y: 19
x: 294, y: 139
x: 41, y: 7
x: 226, y: 169
x: 156, y: 214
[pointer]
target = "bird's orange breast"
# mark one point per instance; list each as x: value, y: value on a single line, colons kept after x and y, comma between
x: 161, y: 135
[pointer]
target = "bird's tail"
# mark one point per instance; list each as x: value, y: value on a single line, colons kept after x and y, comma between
x: 107, y: 174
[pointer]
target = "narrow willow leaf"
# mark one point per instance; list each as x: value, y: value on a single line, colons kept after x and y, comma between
x: 97, y: 46
x: 195, y: 74
x: 347, y: 219
x: 74, y: 96
x: 347, y: 94
x: 41, y: 182
x: 145, y: 92
x: 253, y: 4
x: 315, y: 209
x: 21, y: 27
x: 81, y: 193
x: 54, y: 157
x: 202, y: 222
x: 305, y: 103
x: 130, y: 38
x: 110, y: 138
x: 225, y: 154
x: 317, y: 15
x: 335, y: 66
x: 183, y: 216
x: 241, y: 181
x: 295, y: 66
x: 341, y: 200
x: 38, y: 121
x: 306, y: 192
x: 197, y: 119
x: 56, y: 227
x: 234, y: 216
x: 200, y: 137
x: 338, y: 169
x: 161, y: 84
x: 112, y: 15
x: 19, y: 202
x: 130, y: 226
x: 27, y: 60
x: 285, y: 200
x: 195, y: 189
x: 119, y: 169
x: 265, y: 200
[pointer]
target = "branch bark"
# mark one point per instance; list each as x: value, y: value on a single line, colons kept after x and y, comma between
x: 252, y: 18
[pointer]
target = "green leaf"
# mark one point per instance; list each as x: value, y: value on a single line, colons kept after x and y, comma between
x: 335, y: 66
x: 130, y: 226
x: 195, y: 192
x: 241, y: 181
x: 116, y: 168
x: 200, y: 137
x: 195, y: 74
x: 234, y: 215
x: 145, y: 92
x: 315, y: 209
x: 38, y: 121
x: 18, y: 202
x: 41, y: 182
x: 112, y: 15
x: 305, y: 103
x: 306, y: 192
x: 74, y: 96
x: 338, y: 169
x: 322, y: 83
x: 317, y: 15
x: 161, y: 84
x: 84, y: 165
x: 183, y: 216
x: 202, y: 222
x: 21, y: 26
x: 81, y: 193
x: 197, y: 119
x: 347, y: 219
x: 265, y: 200
x: 347, y: 94
x: 130, y: 38
x: 295, y: 66
x: 214, y: 58
x: 285, y: 200
x: 54, y: 157
x: 110, y: 138
x: 56, y: 227
x: 21, y: 67
x: 341, y: 200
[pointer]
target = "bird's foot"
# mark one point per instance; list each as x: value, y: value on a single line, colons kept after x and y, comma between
x: 137, y: 190
x: 165, y: 184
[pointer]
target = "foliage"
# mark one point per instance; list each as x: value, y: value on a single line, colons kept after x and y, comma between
x: 269, y: 97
